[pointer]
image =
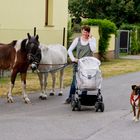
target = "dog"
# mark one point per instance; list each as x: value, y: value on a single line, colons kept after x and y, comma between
x: 135, y: 102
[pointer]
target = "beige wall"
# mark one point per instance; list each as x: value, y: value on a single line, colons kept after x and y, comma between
x: 22, y: 14
x: 112, y: 43
x: 95, y: 33
x: 17, y: 17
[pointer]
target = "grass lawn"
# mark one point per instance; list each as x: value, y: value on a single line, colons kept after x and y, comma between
x: 109, y: 69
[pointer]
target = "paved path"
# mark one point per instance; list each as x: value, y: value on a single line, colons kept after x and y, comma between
x: 130, y: 57
x: 53, y: 120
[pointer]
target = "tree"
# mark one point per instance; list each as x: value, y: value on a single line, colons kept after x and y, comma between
x: 118, y: 11
x: 137, y: 11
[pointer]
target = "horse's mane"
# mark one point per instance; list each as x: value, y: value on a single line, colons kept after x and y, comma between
x: 23, y: 44
x: 13, y: 43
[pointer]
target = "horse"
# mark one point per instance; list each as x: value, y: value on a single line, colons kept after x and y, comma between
x: 54, y: 58
x: 17, y: 56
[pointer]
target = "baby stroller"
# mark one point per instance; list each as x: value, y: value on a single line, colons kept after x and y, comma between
x: 88, y: 78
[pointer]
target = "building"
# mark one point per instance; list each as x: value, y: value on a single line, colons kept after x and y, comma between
x: 48, y: 17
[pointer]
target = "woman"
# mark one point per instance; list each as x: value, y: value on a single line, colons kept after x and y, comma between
x: 85, y: 45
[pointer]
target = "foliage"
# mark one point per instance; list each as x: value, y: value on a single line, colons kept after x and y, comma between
x: 118, y: 11
x: 138, y: 33
x: 69, y: 34
x: 134, y: 44
x: 106, y: 28
x: 128, y: 27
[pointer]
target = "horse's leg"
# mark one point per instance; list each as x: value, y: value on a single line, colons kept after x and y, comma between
x: 43, y: 84
x: 9, y: 94
x: 61, y: 82
x: 53, y: 75
x: 23, y: 82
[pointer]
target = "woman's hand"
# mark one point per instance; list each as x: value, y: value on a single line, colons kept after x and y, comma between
x: 90, y: 36
x: 76, y: 60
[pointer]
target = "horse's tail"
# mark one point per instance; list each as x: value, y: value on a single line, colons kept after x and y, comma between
x: 13, y: 43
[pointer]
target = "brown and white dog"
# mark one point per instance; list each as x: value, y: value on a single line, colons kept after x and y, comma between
x: 135, y: 101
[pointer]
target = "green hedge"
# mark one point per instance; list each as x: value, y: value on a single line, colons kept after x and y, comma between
x: 69, y: 34
x: 106, y: 28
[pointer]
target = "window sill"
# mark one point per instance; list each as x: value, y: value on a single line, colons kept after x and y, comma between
x: 49, y: 25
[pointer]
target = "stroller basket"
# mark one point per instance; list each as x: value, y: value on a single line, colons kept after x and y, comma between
x: 88, y: 100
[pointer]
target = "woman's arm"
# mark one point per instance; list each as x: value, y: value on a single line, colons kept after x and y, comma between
x: 71, y: 48
x: 92, y: 44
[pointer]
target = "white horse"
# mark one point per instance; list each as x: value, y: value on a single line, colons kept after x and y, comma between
x: 54, y: 58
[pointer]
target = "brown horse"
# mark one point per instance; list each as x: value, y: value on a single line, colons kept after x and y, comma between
x: 17, y: 56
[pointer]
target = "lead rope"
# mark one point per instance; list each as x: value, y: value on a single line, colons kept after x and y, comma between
x: 53, y: 70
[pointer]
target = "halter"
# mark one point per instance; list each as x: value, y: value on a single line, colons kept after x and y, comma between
x: 33, y: 50
x: 35, y: 60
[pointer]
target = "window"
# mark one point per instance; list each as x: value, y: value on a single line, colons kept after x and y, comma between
x: 48, y: 12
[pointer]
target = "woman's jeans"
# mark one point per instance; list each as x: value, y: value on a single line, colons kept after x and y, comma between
x: 73, y: 84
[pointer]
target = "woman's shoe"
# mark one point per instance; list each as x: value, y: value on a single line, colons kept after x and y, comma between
x: 67, y: 101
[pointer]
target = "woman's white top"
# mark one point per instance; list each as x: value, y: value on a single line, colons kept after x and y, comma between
x: 92, y: 45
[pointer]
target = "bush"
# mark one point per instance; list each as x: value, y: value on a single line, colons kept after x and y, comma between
x: 69, y: 34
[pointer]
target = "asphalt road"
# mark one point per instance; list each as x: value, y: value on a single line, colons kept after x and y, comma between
x: 52, y: 120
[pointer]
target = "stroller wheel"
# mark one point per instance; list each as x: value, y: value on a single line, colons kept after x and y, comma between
x: 96, y: 107
x: 79, y: 106
x: 76, y: 105
x: 100, y: 98
x: 73, y: 105
x: 102, y: 107
x: 73, y: 109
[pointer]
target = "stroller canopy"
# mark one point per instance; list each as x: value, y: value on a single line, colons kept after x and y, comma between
x: 89, y: 63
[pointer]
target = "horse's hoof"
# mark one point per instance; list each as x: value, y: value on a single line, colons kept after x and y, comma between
x: 10, y: 100
x: 27, y: 100
x: 136, y: 120
x: 43, y: 97
x: 51, y: 94
x: 40, y: 97
x: 60, y: 94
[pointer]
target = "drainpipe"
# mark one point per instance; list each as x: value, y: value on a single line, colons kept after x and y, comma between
x: 64, y: 31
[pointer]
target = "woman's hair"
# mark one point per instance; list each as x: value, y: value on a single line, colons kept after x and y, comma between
x: 86, y: 28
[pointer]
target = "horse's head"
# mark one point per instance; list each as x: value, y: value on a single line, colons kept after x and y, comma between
x: 33, y: 51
